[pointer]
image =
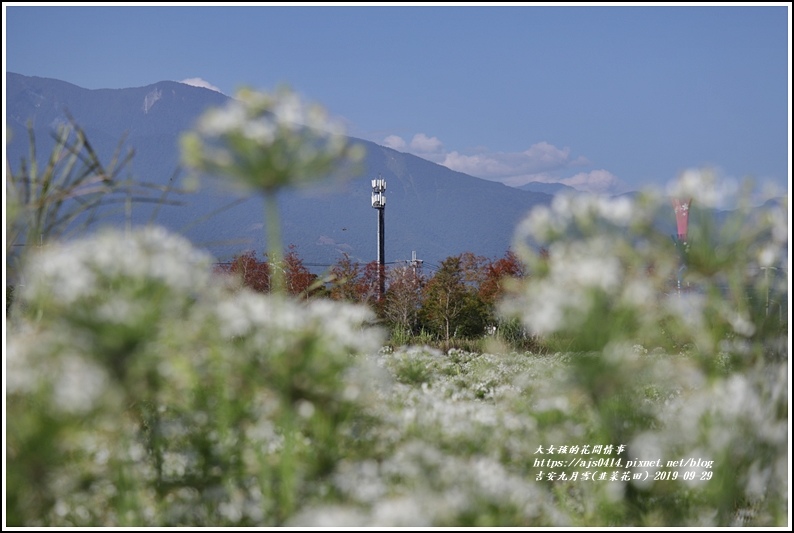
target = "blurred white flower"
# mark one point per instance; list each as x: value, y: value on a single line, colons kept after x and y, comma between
x: 79, y: 385
x: 704, y: 189
x: 619, y: 211
x: 84, y: 269
x: 268, y: 141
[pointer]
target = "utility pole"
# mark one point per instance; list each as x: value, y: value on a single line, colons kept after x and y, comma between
x: 379, y: 203
x: 415, y: 263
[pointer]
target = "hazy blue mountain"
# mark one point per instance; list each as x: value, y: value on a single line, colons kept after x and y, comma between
x: 547, y: 188
x: 430, y: 209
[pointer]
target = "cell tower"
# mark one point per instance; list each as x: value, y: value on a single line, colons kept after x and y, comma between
x: 379, y: 203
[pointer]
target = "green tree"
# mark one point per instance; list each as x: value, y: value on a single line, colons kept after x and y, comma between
x: 450, y: 306
x: 403, y: 298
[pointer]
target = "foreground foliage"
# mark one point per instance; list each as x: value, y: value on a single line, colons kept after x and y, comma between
x: 144, y: 389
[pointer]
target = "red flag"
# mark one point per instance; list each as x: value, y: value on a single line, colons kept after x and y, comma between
x: 682, y: 216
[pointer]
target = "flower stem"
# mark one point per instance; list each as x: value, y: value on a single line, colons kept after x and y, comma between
x: 274, y: 251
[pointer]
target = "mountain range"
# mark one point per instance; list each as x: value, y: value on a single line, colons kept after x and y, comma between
x: 431, y: 210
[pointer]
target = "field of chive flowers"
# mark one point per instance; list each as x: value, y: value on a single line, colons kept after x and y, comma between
x: 144, y: 391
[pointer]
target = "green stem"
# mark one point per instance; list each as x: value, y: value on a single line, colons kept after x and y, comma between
x: 287, y: 469
x: 274, y: 251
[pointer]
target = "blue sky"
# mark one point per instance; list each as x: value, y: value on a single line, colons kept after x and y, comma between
x: 602, y: 98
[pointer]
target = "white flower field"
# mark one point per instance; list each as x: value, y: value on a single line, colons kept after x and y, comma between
x: 143, y: 390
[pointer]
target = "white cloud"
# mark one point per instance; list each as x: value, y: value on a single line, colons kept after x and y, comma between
x: 502, y: 166
x: 198, y: 82
x: 488, y: 166
x: 596, y: 181
x: 394, y: 141
x: 541, y: 162
x: 423, y: 144
x: 547, y: 155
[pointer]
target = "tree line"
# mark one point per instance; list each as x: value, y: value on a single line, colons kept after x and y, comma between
x: 458, y: 300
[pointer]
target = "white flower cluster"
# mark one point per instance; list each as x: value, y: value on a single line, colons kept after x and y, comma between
x: 259, y: 116
x: 268, y: 141
x: 733, y: 421
x: 431, y: 487
x: 575, y: 210
x: 578, y: 271
x: 70, y: 383
x: 703, y: 187
x: 274, y: 323
x: 81, y: 270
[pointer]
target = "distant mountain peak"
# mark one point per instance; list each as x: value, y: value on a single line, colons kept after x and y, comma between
x: 432, y: 210
x: 151, y: 98
x: 198, y: 82
x: 547, y: 188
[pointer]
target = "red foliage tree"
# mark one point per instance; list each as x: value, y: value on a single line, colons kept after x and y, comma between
x: 474, y: 268
x: 252, y: 273
x: 299, y: 279
x: 370, y: 284
x: 345, y: 280
x: 495, y: 273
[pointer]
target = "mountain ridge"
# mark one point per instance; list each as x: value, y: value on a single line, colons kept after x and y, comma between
x: 431, y: 209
